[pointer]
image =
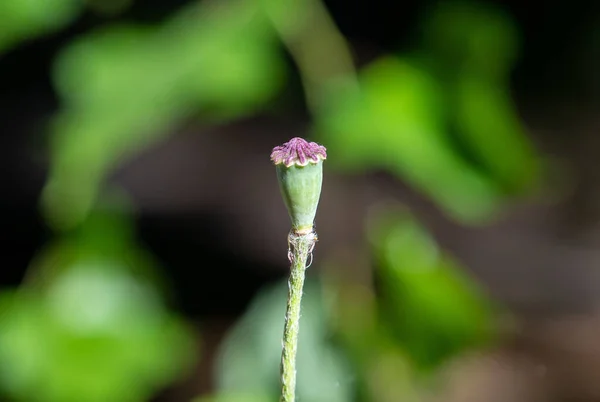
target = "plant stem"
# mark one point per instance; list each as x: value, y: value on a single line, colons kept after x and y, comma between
x: 300, y: 246
x: 318, y: 48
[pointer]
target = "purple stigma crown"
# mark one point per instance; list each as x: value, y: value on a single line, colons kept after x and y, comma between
x: 298, y: 151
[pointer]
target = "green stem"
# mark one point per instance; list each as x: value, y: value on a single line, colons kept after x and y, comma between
x: 300, y: 246
x: 317, y: 46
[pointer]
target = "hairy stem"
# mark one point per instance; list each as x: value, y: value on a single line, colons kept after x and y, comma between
x: 300, y: 247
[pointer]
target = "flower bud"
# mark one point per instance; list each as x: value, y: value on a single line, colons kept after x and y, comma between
x: 299, y: 165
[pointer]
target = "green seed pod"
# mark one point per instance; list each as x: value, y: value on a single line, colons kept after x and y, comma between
x: 299, y: 165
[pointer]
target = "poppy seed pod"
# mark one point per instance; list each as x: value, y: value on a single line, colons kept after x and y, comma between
x: 299, y: 165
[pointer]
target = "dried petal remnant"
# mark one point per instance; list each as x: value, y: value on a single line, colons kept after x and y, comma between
x: 298, y: 151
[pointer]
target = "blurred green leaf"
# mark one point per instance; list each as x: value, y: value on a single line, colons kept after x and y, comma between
x: 125, y: 87
x: 249, y: 359
x: 96, y: 335
x: 442, y: 119
x: 229, y: 61
x: 397, y: 124
x: 25, y: 19
x: 90, y: 324
x: 486, y: 121
x: 469, y: 37
x: 433, y: 309
x: 235, y: 397
x: 471, y: 48
x: 384, y: 371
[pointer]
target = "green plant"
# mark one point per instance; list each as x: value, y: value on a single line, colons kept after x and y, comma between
x: 300, y: 172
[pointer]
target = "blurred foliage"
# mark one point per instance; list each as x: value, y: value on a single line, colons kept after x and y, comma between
x: 124, y: 87
x: 467, y: 37
x: 26, y: 19
x: 89, y: 324
x: 471, y: 49
x: 440, y: 118
x: 249, y: 360
x: 384, y: 372
x: 431, y: 306
x: 395, y: 123
x: 235, y: 397
x: 23, y: 20
x: 421, y: 313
